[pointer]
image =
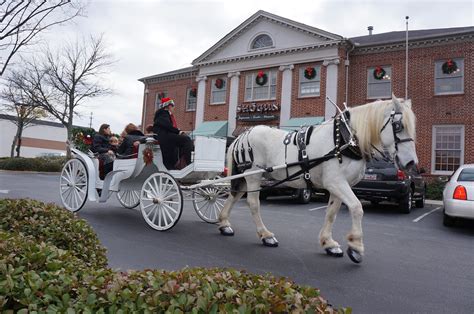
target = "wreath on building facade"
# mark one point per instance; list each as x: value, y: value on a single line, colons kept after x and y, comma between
x: 219, y: 84
x: 379, y: 73
x: 449, y: 67
x: 310, y: 73
x: 261, y: 79
x: 82, y: 138
x: 193, y: 92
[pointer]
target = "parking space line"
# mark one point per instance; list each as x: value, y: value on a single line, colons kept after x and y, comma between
x: 4, y: 191
x: 426, y: 214
x: 311, y: 209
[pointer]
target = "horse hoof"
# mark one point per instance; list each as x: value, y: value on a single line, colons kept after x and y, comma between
x: 271, y: 241
x: 335, y: 251
x: 226, y: 231
x: 355, y: 256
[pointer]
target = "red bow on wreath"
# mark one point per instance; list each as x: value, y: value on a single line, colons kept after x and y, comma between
x: 87, y: 140
x: 260, y: 74
x: 310, y: 70
x: 148, y: 155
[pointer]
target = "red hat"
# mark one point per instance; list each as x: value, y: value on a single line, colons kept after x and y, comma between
x: 165, y: 102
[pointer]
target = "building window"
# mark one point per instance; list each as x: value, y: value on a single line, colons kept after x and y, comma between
x: 191, y: 99
x: 158, y: 98
x: 218, y: 90
x: 379, y: 86
x: 254, y: 91
x: 310, y: 82
x: 449, y: 79
x: 448, y: 148
x: 262, y: 41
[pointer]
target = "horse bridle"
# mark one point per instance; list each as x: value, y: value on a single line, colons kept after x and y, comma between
x: 397, y: 127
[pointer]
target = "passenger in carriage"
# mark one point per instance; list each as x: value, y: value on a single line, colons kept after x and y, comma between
x: 131, y: 140
x: 114, y: 143
x: 101, y: 146
x: 171, y: 138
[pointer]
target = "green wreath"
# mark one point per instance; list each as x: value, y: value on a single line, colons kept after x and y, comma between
x: 261, y: 78
x: 310, y: 73
x: 379, y: 73
x: 449, y: 67
x: 82, y: 138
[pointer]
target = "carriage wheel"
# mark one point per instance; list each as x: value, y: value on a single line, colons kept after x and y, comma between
x: 209, y: 201
x: 128, y: 198
x: 73, y: 185
x: 161, y: 201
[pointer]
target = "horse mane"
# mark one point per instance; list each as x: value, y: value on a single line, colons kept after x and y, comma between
x: 367, y: 121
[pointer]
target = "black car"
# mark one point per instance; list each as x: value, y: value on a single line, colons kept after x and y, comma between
x: 384, y: 182
x: 302, y: 196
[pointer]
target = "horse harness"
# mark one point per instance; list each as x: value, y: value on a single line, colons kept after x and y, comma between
x: 397, y: 127
x: 345, y: 142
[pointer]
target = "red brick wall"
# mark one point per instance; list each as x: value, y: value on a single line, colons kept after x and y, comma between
x: 175, y: 89
x: 307, y: 106
x: 429, y: 109
x: 216, y: 112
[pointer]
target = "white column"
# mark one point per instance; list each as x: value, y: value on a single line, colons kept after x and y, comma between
x: 201, y: 96
x: 332, y: 66
x: 233, y: 99
x: 286, y: 82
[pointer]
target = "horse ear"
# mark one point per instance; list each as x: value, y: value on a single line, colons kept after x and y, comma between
x: 396, y: 103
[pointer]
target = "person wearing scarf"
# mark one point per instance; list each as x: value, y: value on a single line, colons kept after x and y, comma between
x: 176, y: 146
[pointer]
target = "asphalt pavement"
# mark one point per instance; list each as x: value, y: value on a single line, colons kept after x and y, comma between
x: 412, y: 263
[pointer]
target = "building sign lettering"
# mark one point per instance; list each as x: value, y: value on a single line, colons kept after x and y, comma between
x: 257, y: 112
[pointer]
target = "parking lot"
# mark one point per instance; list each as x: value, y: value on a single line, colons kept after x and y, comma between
x: 412, y: 262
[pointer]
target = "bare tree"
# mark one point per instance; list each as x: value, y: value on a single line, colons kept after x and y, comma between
x: 22, y: 20
x: 60, y: 82
x: 14, y: 101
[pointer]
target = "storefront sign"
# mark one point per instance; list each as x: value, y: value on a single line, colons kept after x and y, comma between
x: 258, y: 112
x: 256, y: 117
x: 260, y: 107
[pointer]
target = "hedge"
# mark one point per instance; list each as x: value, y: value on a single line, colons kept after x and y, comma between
x: 41, y: 273
x: 44, y: 164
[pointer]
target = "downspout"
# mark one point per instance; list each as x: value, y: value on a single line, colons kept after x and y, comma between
x: 145, y: 98
x: 346, y: 63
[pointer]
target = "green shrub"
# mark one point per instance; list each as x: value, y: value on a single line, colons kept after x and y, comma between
x: 50, y: 223
x: 44, y: 164
x: 434, y: 190
x: 37, y: 275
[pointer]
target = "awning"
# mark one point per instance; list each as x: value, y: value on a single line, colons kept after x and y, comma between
x: 296, y: 123
x: 211, y: 128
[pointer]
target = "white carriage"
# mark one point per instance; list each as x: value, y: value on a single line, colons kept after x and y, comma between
x: 144, y: 181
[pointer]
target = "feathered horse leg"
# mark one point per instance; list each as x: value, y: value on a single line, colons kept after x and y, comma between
x: 331, y: 247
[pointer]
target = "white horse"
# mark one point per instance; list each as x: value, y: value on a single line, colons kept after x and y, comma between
x: 389, y: 124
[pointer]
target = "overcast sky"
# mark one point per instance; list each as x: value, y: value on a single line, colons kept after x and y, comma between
x: 148, y: 37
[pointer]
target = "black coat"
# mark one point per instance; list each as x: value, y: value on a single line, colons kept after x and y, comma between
x: 162, y: 123
x: 126, y: 148
x: 167, y: 136
x: 100, y: 144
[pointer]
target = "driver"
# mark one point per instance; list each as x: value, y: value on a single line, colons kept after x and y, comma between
x: 171, y: 139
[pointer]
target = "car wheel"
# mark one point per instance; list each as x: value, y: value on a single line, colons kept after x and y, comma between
x: 405, y: 204
x: 263, y: 196
x: 304, y: 196
x: 448, y: 221
x: 420, y: 203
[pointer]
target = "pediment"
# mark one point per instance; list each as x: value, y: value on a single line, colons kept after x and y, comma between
x: 285, y: 34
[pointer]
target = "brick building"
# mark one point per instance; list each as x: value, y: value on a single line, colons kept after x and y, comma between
x: 275, y: 71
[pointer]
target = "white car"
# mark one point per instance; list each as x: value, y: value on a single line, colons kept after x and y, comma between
x: 458, y: 195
